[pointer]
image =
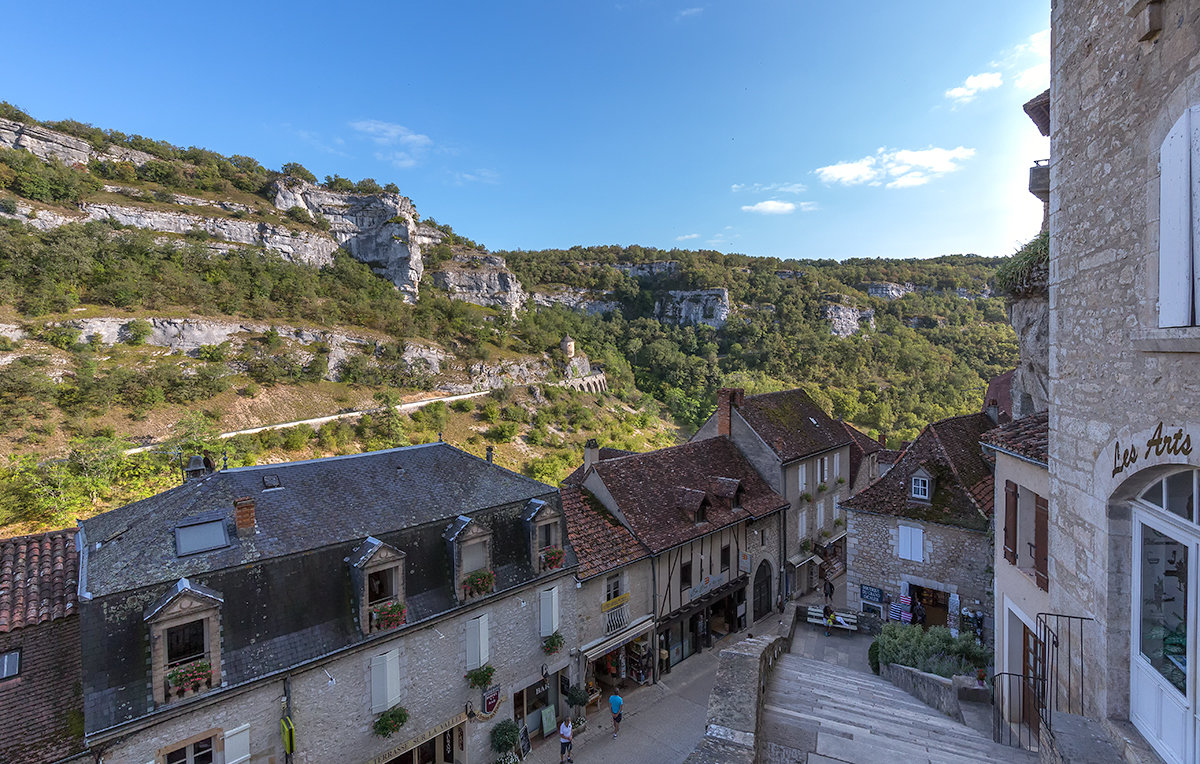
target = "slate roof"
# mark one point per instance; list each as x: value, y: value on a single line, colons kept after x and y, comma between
x: 792, y: 424
x: 999, y: 389
x: 949, y: 450
x: 860, y: 446
x: 319, y: 502
x: 38, y: 578
x: 645, y: 489
x: 1028, y: 437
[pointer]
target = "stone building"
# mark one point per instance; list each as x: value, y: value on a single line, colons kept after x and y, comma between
x: 39, y: 650
x: 803, y: 454
x: 921, y: 530
x: 713, y: 529
x: 865, y: 466
x: 323, y: 597
x: 1124, y: 369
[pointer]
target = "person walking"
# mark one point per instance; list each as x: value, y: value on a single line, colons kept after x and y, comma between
x: 617, y: 703
x: 918, y: 613
x: 566, y: 740
x: 828, y: 586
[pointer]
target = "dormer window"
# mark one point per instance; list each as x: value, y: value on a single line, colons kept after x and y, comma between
x: 378, y: 573
x: 920, y: 488
x: 185, y: 641
x: 546, y: 543
x: 470, y: 548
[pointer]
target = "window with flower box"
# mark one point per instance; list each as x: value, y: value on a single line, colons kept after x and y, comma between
x: 379, y: 570
x: 185, y: 642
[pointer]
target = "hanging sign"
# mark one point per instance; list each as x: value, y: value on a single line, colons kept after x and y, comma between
x: 743, y: 562
x: 870, y: 593
x: 491, y: 699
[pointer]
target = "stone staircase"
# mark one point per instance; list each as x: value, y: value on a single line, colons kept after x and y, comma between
x: 821, y: 713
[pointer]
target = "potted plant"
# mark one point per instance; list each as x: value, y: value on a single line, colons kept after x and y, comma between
x: 577, y: 698
x: 553, y: 643
x: 838, y: 523
x: 390, y: 721
x: 190, y: 675
x: 824, y: 533
x: 481, y: 678
x: 552, y: 557
x: 981, y: 675
x: 841, y: 481
x: 822, y: 488
x: 479, y: 581
x: 806, y: 496
x: 805, y: 546
x: 388, y: 615
x: 505, y: 737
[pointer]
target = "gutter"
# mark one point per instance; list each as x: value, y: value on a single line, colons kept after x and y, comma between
x: 1015, y: 455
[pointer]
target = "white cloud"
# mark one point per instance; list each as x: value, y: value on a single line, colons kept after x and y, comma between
x: 975, y: 84
x: 899, y: 168
x: 688, y: 12
x: 1030, y: 60
x: 766, y: 188
x: 481, y: 175
x: 808, y: 207
x: 409, y: 147
x: 687, y: 236
x: 770, y: 207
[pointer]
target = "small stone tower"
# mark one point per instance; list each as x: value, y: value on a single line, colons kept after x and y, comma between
x: 568, y: 346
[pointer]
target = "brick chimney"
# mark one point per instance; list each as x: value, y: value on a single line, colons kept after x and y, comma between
x: 727, y: 398
x: 243, y: 515
x: 591, y: 453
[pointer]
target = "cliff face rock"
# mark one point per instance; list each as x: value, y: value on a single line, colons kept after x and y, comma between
x: 1030, y: 319
x: 47, y: 144
x: 482, y: 280
x: 648, y: 270
x: 581, y: 300
x: 696, y: 306
x: 379, y: 230
x: 845, y: 320
x: 889, y: 290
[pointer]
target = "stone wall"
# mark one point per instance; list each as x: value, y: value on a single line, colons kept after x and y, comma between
x: 1113, y: 376
x: 956, y: 560
x: 1030, y: 319
x: 932, y: 690
x: 331, y: 699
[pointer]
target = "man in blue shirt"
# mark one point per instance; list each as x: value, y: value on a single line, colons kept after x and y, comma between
x: 617, y: 704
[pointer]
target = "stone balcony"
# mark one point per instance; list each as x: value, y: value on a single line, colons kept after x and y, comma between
x: 1039, y: 180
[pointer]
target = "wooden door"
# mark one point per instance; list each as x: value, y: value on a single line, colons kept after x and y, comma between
x: 1033, y: 678
x: 762, y: 591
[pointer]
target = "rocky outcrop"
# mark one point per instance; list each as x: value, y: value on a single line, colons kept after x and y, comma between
x: 380, y: 230
x: 47, y: 144
x: 1030, y: 318
x: 888, y: 290
x: 482, y: 280
x: 582, y: 300
x: 845, y: 320
x: 693, y: 307
x: 184, y: 199
x: 648, y: 270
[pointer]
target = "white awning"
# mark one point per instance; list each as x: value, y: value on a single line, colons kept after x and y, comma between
x: 594, y: 650
x: 801, y: 558
x: 840, y: 535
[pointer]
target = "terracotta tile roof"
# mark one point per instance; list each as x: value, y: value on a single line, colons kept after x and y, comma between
x: 792, y: 424
x: 645, y: 489
x: 999, y: 389
x: 949, y: 451
x: 38, y: 578
x: 601, y: 543
x: 1028, y: 436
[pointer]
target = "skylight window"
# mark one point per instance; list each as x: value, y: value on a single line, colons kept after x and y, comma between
x: 201, y: 536
x: 271, y: 481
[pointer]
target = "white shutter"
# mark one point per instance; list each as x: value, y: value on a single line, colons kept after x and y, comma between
x: 837, y: 469
x: 803, y: 525
x: 484, y: 655
x: 379, y: 688
x: 917, y: 544
x: 237, y: 745
x: 1175, y: 271
x: 549, y: 611
x: 473, y: 661
x: 1195, y: 173
x: 392, y: 672
x: 803, y: 473
x: 902, y: 551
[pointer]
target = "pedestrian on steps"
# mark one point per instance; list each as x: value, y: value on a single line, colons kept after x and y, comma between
x: 828, y: 586
x: 617, y: 703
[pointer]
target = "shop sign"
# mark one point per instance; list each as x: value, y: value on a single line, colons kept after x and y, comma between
x: 708, y: 583
x: 743, y: 562
x: 870, y: 593
x: 614, y: 603
x: 1173, y: 443
x: 491, y: 699
x: 414, y: 742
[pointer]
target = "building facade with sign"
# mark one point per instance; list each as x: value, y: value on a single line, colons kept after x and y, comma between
x: 921, y: 531
x: 1124, y: 445
x: 339, y: 609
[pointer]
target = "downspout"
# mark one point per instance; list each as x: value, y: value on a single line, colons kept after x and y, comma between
x: 783, y: 540
x: 654, y: 600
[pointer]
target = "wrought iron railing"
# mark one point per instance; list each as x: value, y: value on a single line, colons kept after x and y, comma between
x: 617, y: 618
x: 1016, y: 709
x: 1062, y: 643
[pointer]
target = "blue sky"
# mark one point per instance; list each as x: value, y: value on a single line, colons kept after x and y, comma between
x: 767, y: 127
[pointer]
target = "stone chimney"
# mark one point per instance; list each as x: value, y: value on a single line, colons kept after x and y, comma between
x: 243, y: 515
x: 993, y: 410
x: 728, y: 398
x: 883, y: 440
x: 591, y: 453
x: 491, y: 452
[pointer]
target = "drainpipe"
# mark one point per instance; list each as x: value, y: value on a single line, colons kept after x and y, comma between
x: 654, y: 600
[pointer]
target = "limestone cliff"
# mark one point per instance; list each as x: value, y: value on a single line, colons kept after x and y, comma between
x: 582, y: 300
x: 381, y: 230
x: 47, y: 144
x: 846, y: 320
x: 481, y: 280
x: 696, y: 306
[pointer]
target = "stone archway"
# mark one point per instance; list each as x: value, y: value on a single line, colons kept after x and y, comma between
x: 762, y: 591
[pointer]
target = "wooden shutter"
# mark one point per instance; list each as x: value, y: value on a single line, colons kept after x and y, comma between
x: 905, y: 542
x: 1010, y: 521
x: 379, y: 688
x: 837, y: 468
x: 472, y: 627
x: 237, y: 745
x: 1194, y: 117
x: 1175, y: 254
x: 917, y: 544
x: 1041, y: 543
x: 484, y: 655
x: 549, y: 611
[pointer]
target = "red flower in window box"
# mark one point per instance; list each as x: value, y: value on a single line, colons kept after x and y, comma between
x: 389, y: 615
x: 479, y: 582
x: 552, y: 557
x: 191, y: 675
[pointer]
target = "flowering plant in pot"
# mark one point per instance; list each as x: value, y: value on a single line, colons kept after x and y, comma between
x: 479, y: 582
x: 388, y: 615
x: 481, y: 678
x: 553, y: 643
x: 390, y: 721
x: 552, y: 557
x: 191, y: 675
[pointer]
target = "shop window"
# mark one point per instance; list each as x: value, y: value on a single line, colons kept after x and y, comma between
x: 685, y: 577
x: 10, y: 664
x: 1163, y: 627
x: 872, y: 608
x: 612, y: 587
x: 1179, y: 207
x: 201, y: 751
x: 912, y: 543
x: 725, y: 558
